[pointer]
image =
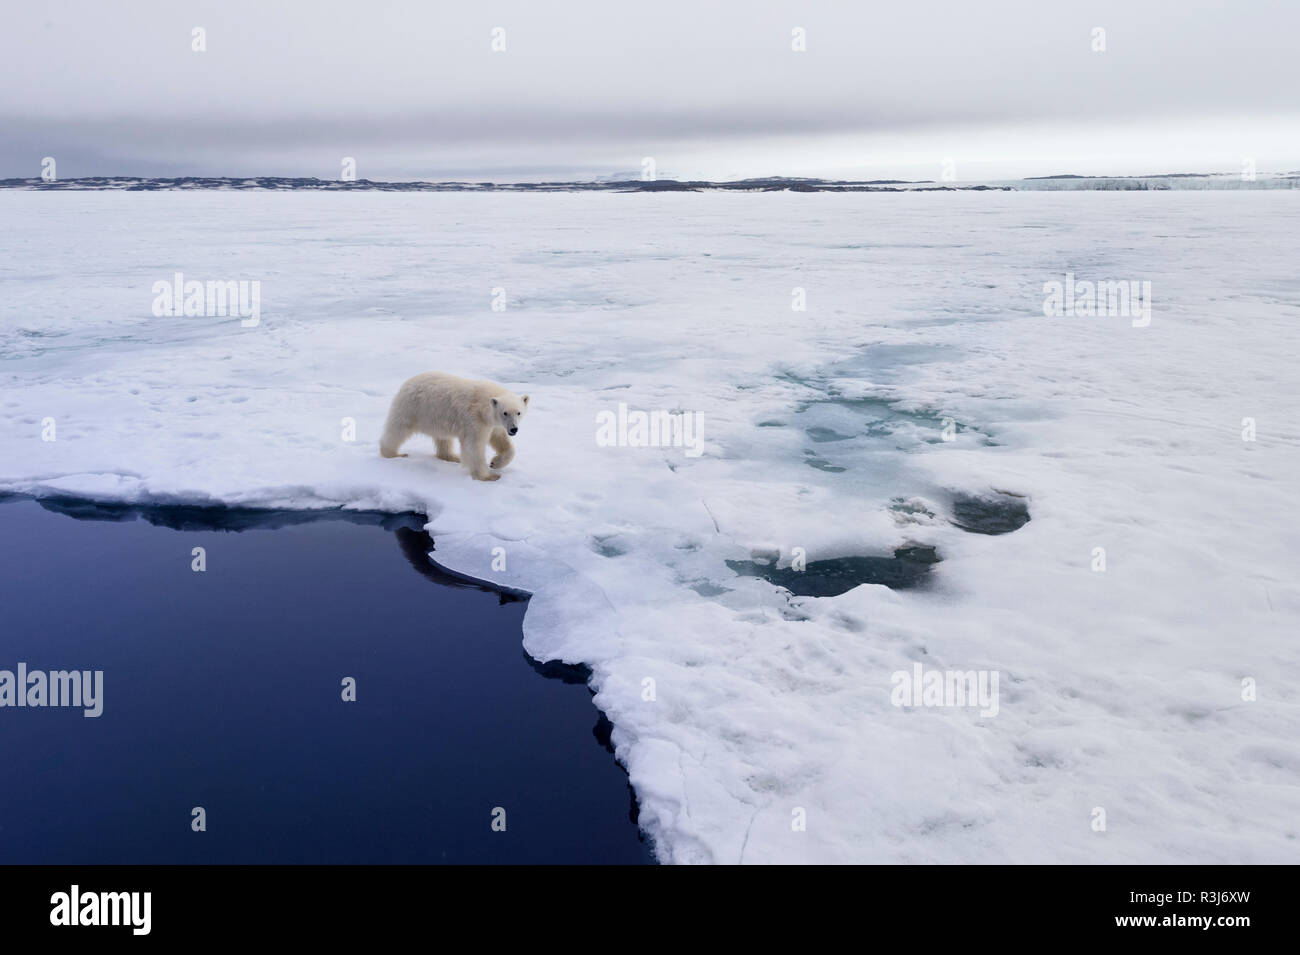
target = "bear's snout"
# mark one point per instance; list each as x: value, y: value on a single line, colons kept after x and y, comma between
x: 514, y: 430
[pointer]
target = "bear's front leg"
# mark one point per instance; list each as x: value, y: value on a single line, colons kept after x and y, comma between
x: 472, y: 455
x: 505, y: 450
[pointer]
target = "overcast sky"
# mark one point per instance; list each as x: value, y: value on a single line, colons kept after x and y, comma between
x: 709, y: 88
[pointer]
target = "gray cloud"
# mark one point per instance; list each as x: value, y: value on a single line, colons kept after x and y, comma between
x: 414, y: 88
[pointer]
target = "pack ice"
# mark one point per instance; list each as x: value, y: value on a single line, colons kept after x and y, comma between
x: 1105, y: 510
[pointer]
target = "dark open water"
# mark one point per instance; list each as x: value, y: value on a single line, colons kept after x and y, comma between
x: 222, y: 689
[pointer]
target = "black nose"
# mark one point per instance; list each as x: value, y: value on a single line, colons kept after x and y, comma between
x: 514, y: 430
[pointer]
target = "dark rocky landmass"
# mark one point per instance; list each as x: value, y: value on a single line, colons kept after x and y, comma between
x: 284, y: 183
x: 1065, y: 181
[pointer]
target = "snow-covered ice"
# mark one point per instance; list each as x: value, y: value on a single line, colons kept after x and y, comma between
x: 823, y: 429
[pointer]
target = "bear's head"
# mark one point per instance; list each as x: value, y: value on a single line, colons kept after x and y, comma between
x: 507, y: 409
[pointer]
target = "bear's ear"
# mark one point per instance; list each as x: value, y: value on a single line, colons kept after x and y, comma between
x: 494, y: 402
x: 524, y: 399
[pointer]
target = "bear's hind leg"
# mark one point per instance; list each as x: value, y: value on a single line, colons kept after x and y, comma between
x: 502, y: 445
x: 446, y: 450
x: 393, y: 439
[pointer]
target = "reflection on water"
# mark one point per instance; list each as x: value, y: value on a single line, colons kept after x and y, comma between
x: 992, y: 513
x: 829, y: 578
x: 222, y: 690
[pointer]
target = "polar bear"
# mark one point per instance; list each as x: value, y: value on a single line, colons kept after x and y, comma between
x: 448, y: 408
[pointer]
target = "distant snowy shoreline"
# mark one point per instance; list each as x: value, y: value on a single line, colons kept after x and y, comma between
x: 1289, y: 180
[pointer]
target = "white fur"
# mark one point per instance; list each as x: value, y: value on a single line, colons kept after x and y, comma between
x: 447, y: 409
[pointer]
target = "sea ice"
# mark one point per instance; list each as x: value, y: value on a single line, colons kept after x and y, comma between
x: 757, y: 725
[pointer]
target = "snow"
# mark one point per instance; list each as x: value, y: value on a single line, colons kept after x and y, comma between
x: 1120, y: 690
